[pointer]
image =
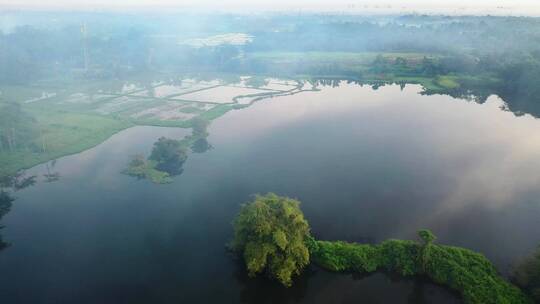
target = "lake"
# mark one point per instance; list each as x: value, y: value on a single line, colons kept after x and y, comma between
x: 367, y: 164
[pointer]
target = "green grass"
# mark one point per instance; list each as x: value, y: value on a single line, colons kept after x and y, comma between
x: 62, y: 134
x: 19, y: 93
x: 216, y: 112
x: 462, y: 270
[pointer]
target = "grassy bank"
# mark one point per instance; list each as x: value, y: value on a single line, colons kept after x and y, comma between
x: 465, y: 271
x: 56, y: 133
x: 60, y: 134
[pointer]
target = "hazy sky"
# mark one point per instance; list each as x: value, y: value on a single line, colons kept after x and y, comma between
x: 487, y: 6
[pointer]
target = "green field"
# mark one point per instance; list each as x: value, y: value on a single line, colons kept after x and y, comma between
x: 61, y: 134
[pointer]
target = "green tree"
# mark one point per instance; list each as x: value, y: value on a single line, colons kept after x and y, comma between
x: 427, y: 238
x: 379, y: 65
x: 17, y: 128
x: 400, y: 61
x: 271, y: 233
x: 169, y: 154
x: 428, y: 67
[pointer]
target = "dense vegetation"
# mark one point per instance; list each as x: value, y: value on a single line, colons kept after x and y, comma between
x: 527, y: 275
x: 29, y: 138
x: 271, y: 234
x: 460, y: 269
x: 169, y: 155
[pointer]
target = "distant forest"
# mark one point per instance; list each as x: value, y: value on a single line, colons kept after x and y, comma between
x: 119, y: 44
x: 470, y: 57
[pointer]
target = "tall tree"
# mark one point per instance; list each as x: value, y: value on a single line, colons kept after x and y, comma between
x: 271, y: 232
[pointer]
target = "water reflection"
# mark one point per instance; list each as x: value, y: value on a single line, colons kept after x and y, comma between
x: 8, y: 185
x: 201, y: 145
x: 5, y: 206
x: 169, y: 155
x: 337, y: 82
x: 17, y: 181
x: 518, y: 102
x: 51, y: 175
x: 263, y: 291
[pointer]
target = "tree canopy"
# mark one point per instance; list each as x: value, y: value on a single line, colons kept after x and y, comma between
x: 169, y: 154
x: 271, y: 232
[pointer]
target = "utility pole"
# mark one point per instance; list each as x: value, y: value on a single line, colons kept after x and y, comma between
x: 9, y: 140
x: 85, y: 46
x: 43, y: 143
x: 13, y: 143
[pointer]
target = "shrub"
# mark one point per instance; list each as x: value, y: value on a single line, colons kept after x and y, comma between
x: 460, y: 269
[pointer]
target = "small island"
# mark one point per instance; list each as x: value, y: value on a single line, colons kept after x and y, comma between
x: 169, y: 155
x: 273, y: 237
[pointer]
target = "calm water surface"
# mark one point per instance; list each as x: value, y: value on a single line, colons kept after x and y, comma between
x: 367, y: 164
